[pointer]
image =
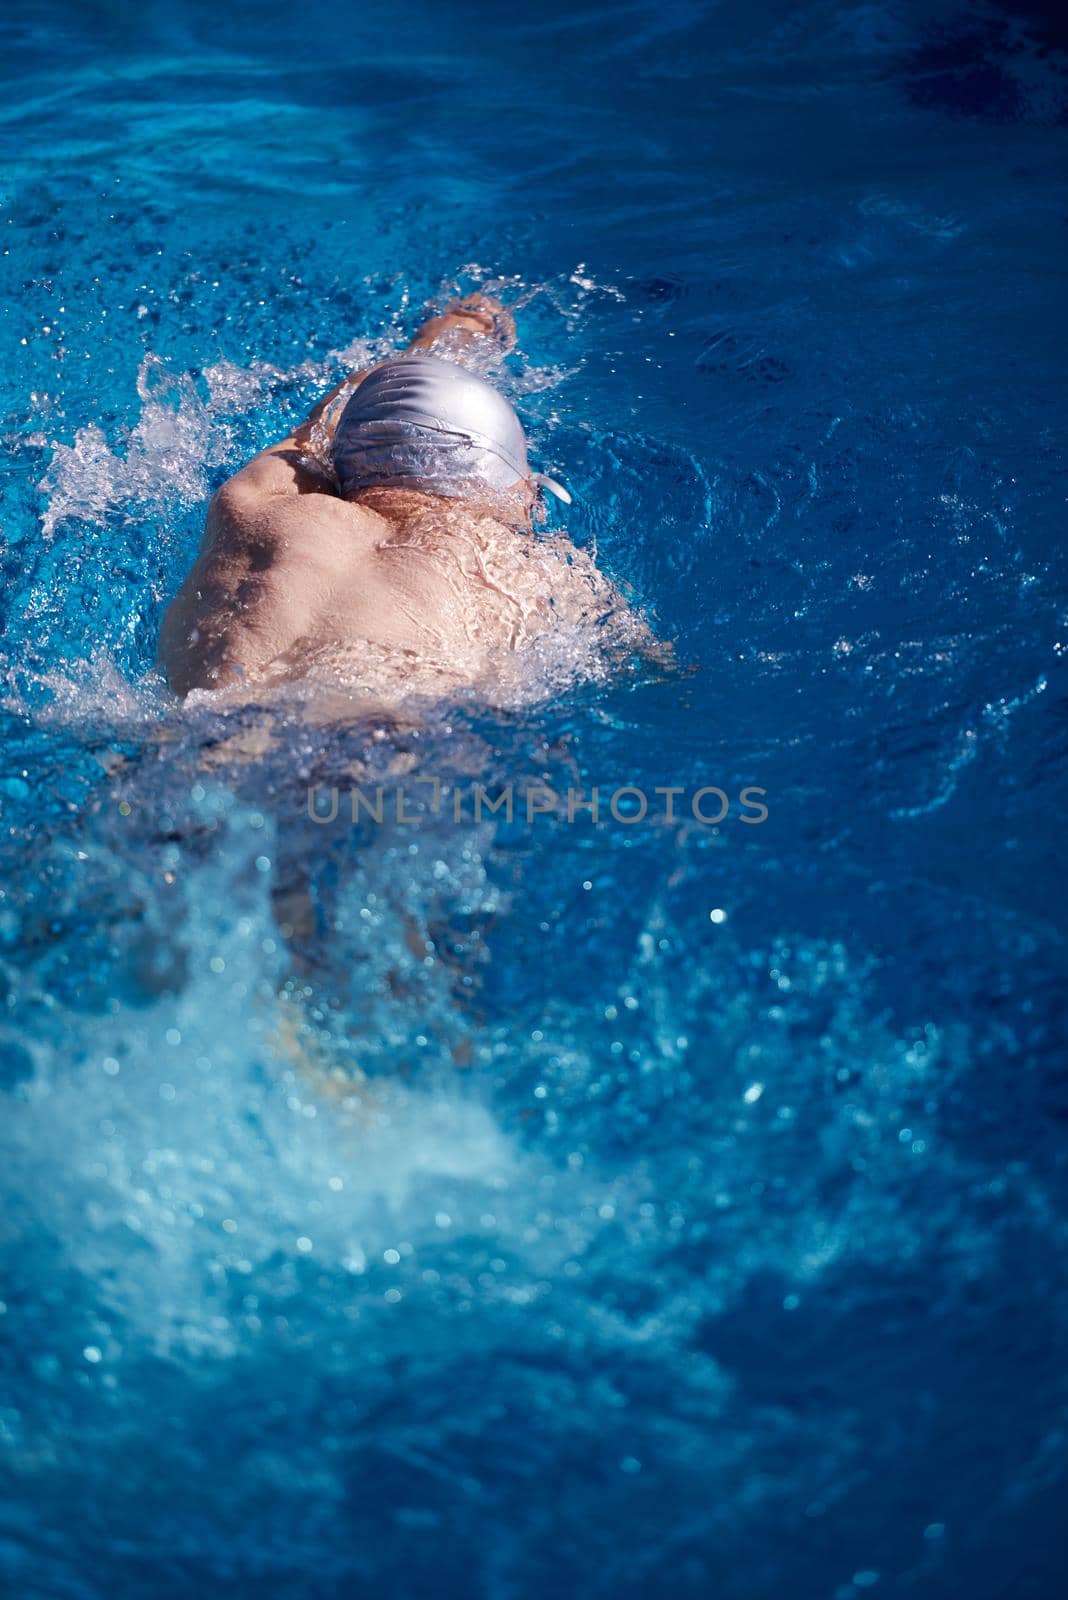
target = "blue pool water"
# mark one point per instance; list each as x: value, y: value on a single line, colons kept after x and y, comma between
x: 464, y: 1209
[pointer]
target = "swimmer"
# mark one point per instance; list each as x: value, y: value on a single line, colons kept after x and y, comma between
x: 395, y: 524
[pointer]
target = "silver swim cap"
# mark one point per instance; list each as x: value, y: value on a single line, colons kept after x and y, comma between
x: 421, y: 422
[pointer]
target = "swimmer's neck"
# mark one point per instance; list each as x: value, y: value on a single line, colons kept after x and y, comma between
x: 401, y: 506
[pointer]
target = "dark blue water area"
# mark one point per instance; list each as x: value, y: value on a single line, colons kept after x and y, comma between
x: 517, y: 1208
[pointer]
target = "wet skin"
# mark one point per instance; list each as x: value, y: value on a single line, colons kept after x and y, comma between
x: 291, y: 574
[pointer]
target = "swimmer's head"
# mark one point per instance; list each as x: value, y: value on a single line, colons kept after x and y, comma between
x: 419, y: 422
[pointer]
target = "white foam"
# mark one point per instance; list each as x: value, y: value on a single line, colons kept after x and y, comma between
x: 166, y: 460
x: 176, y: 440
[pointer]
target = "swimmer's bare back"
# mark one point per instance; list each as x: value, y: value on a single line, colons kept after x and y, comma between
x: 289, y: 572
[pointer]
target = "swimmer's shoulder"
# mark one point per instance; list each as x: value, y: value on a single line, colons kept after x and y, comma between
x: 244, y: 519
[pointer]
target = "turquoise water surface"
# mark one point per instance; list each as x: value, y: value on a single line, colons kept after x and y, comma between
x: 513, y: 1209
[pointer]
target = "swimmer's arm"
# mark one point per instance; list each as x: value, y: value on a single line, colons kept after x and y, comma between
x: 478, y: 316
